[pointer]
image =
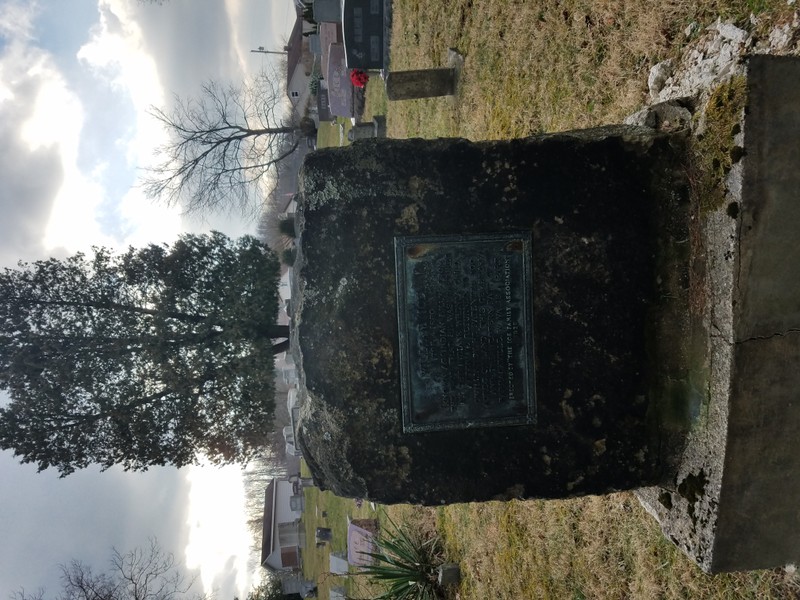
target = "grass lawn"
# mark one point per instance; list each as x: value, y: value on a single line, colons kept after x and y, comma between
x: 534, y: 66
x: 545, y: 65
x: 332, y: 134
x: 323, y: 509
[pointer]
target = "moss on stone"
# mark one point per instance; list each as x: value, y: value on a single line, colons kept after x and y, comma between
x: 714, y: 151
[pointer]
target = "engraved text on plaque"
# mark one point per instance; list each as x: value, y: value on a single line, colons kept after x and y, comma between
x: 465, y: 332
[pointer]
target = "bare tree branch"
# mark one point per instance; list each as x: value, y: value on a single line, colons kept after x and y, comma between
x: 222, y: 145
x: 141, y: 574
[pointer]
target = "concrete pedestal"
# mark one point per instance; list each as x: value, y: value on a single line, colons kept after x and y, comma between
x: 734, y: 504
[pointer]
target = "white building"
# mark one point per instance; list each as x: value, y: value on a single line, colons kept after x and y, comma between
x: 282, y: 535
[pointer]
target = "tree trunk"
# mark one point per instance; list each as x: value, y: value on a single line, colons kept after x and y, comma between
x: 281, y: 347
x: 277, y: 331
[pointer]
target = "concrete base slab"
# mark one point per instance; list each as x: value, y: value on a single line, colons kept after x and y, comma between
x: 734, y: 503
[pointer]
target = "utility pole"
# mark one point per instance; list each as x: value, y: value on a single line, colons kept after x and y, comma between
x: 261, y: 50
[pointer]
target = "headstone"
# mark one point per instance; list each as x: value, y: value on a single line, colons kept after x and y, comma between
x: 337, y: 593
x: 448, y: 574
x: 360, y: 543
x: 324, y: 534
x: 338, y: 565
x: 475, y: 320
x: 327, y: 11
x: 363, y: 31
x: 340, y: 88
x: 314, y: 45
x: 423, y: 83
x: 368, y: 130
x: 323, y: 103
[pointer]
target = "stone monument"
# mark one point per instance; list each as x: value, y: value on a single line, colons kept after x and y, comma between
x: 493, y: 320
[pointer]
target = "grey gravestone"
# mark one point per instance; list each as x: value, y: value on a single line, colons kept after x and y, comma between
x: 371, y: 129
x: 476, y: 320
x: 329, y: 33
x: 323, y: 103
x: 314, y: 45
x: 423, y: 83
x: 327, y: 11
x: 340, y: 88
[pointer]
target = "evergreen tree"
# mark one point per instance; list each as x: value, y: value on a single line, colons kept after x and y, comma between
x: 149, y: 357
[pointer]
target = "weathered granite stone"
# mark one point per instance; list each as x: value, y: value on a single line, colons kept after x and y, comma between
x: 607, y: 213
x: 422, y: 83
x: 369, y: 129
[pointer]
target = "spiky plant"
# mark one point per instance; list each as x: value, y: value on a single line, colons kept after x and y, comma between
x: 405, y: 565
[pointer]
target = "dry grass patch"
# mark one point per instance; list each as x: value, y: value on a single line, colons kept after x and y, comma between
x: 594, y: 547
x: 542, y: 65
x: 332, y: 134
x: 375, y: 102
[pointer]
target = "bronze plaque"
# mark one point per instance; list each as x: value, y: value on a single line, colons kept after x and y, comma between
x: 465, y: 331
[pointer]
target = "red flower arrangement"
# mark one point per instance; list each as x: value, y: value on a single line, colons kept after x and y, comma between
x: 358, y: 78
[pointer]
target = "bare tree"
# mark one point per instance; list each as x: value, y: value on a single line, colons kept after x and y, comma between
x: 223, y: 144
x: 141, y: 574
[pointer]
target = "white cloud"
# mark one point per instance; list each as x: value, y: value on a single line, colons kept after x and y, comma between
x: 233, y: 9
x: 17, y: 18
x: 45, y: 108
x: 116, y: 53
x: 57, y: 113
x: 54, y: 122
x: 147, y: 221
x: 219, y: 540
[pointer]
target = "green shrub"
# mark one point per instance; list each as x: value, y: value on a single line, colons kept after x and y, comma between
x: 313, y: 84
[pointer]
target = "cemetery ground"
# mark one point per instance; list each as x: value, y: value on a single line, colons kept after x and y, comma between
x: 533, y: 67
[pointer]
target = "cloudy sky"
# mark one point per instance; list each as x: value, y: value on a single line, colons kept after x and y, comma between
x: 76, y: 80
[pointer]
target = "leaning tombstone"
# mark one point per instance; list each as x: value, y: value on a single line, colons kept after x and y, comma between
x: 426, y: 83
x: 494, y: 320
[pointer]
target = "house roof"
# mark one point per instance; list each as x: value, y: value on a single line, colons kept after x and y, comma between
x: 294, y: 49
x: 269, y: 523
x: 329, y: 33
